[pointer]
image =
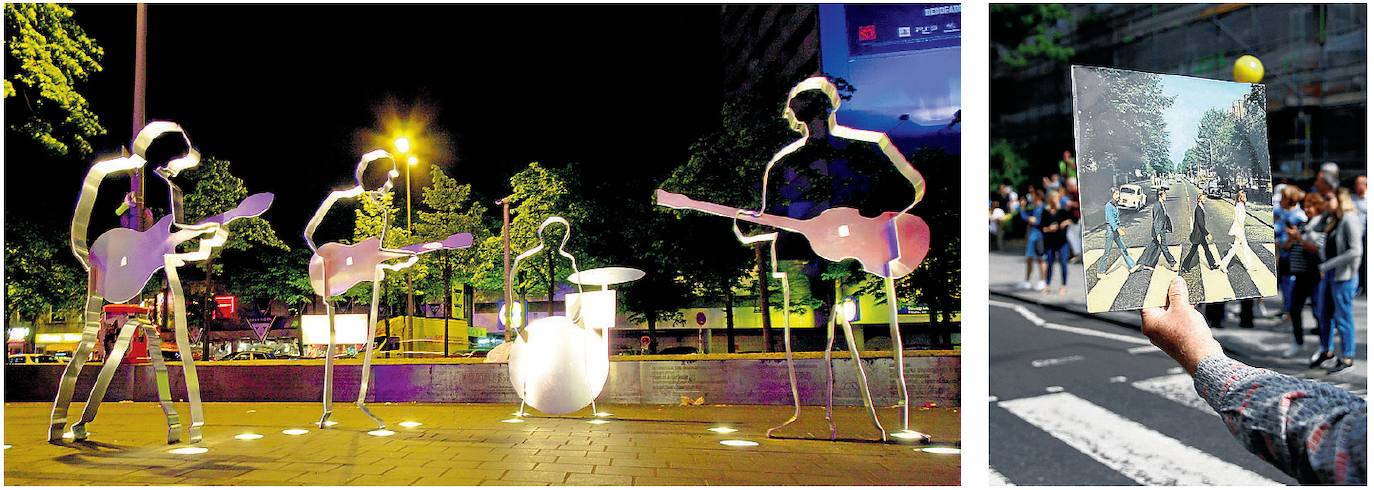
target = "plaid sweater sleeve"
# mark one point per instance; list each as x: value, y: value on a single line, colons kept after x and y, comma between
x: 1313, y: 431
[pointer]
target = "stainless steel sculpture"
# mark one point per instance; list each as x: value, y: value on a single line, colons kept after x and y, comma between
x: 120, y: 263
x: 889, y: 245
x: 335, y: 267
x: 558, y: 364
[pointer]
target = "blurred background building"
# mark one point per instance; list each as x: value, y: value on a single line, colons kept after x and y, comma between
x: 1313, y: 55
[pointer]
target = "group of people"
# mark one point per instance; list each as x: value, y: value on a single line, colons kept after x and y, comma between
x: 1321, y: 240
x: 1051, y: 216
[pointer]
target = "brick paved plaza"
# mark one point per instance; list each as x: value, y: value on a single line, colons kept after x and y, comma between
x: 468, y: 444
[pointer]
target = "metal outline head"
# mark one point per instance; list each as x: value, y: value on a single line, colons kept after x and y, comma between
x: 820, y: 84
x: 367, y: 159
x: 157, y: 129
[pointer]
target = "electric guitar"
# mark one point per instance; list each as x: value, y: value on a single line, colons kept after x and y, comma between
x: 348, y: 265
x: 123, y: 259
x: 891, y: 244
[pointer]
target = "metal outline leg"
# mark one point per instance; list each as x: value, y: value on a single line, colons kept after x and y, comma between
x: 830, y: 367
x: 787, y: 345
x: 57, y: 419
x: 188, y: 360
x: 863, y: 378
x: 899, y: 359
x: 328, y: 368
x: 164, y: 388
x: 102, y: 381
x: 367, y: 358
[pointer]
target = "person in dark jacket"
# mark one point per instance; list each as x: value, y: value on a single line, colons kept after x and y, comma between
x: 1160, y: 228
x: 1313, y: 431
x: 1199, y: 238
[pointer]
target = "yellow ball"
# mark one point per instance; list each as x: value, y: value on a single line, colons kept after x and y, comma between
x: 1248, y: 69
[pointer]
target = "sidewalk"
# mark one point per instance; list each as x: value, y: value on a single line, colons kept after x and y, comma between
x: 473, y: 444
x: 1262, y: 346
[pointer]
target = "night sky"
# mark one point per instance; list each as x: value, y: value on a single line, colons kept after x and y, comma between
x: 289, y: 94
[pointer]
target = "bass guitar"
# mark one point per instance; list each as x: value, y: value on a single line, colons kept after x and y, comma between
x: 348, y: 265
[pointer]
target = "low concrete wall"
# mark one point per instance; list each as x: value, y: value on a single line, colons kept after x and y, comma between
x: 653, y: 380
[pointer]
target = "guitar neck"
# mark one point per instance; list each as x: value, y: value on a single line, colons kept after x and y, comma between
x: 679, y: 201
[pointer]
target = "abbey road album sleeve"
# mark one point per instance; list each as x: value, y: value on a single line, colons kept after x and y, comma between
x: 1174, y: 180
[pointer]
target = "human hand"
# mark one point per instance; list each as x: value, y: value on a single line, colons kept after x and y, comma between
x: 1178, y: 329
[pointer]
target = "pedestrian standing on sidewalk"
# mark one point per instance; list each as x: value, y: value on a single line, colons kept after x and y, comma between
x: 1300, y: 245
x: 1361, y: 184
x: 1056, y: 221
x: 1313, y: 431
x: 1075, y: 231
x: 1340, y: 275
x: 995, y: 217
x: 1113, y: 218
x: 1288, y: 214
x: 1035, y: 240
x: 1160, y: 227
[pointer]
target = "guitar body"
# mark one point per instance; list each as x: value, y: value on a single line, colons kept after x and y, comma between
x: 348, y: 265
x: 891, y: 244
x: 123, y: 260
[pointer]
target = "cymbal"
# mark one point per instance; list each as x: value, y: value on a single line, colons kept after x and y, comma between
x: 606, y: 276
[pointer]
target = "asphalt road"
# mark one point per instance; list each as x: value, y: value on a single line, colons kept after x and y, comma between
x: 1076, y: 401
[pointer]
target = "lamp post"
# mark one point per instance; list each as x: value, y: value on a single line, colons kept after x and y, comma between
x: 403, y: 147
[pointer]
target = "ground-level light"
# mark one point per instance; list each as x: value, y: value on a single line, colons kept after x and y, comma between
x: 409, y: 424
x: 722, y: 430
x: 940, y: 450
x: 738, y: 443
x: 248, y: 436
x: 189, y: 450
x: 381, y: 433
x: 294, y: 432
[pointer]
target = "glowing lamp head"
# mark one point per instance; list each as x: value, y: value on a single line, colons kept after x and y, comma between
x: 850, y: 309
x: 412, y: 160
x: 402, y: 144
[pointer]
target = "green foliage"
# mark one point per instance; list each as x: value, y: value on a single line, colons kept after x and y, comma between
x: 369, y: 219
x: 215, y: 190
x: 41, y: 274
x: 1023, y: 32
x: 1127, y: 132
x: 1007, y: 166
x: 275, y: 276
x: 448, y: 208
x: 49, y: 54
x: 538, y: 192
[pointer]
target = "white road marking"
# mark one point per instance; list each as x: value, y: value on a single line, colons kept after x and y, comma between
x: 1156, y: 292
x: 1054, y: 389
x: 1056, y: 361
x: 1126, y: 446
x: 1040, y: 322
x: 1216, y: 284
x: 997, y: 480
x: 1117, y: 379
x: 1176, y: 387
x: 1103, y: 294
x: 1144, y: 349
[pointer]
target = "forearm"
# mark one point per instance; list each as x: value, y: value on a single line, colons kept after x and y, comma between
x: 1312, y: 431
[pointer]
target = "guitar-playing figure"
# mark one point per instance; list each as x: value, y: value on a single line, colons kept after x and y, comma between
x: 825, y: 183
x: 335, y: 267
x: 120, y: 263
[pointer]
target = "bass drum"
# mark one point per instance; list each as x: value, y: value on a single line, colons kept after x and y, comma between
x: 562, y: 366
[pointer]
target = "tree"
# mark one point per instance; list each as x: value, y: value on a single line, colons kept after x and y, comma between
x: 1127, y: 132
x: 49, y: 54
x: 448, y: 208
x: 367, y: 223
x: 275, y: 276
x: 215, y: 190
x: 1007, y: 166
x: 1023, y: 32
x: 41, y: 275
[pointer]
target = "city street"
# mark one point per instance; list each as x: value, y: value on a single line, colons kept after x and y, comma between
x: 1085, y: 399
x: 1119, y: 288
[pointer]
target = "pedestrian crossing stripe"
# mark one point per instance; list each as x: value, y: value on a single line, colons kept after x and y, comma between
x: 996, y: 479
x: 1106, y: 289
x: 1126, y: 446
x: 1175, y: 387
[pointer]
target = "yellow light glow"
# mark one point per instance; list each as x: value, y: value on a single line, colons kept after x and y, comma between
x: 722, y: 430
x: 330, y: 423
x: 402, y: 144
x: 294, y: 432
x: 412, y: 160
x: 514, y: 421
x: 69, y: 435
x: 598, y: 421
x: 248, y: 436
x: 738, y: 443
x: 7, y: 446
x: 519, y: 414
x: 602, y: 414
x: 189, y: 450
x: 410, y: 424
x: 939, y: 450
x: 381, y: 433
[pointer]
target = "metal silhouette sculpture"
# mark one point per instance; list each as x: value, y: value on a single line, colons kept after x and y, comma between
x: 890, y: 245
x: 558, y: 364
x: 119, y: 264
x: 335, y: 267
